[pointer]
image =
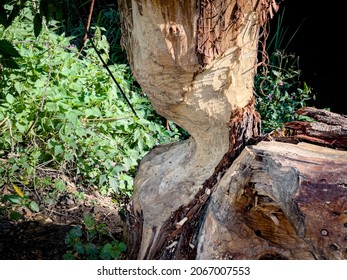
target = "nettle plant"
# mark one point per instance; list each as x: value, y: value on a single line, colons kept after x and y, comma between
x: 84, y: 242
x: 61, y: 110
x: 280, y: 92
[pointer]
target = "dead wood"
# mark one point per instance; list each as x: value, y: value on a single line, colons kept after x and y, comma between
x: 279, y: 201
x: 327, y: 128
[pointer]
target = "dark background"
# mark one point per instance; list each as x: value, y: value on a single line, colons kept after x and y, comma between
x: 320, y: 45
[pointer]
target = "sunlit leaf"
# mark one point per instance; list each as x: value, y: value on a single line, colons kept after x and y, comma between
x: 34, y: 206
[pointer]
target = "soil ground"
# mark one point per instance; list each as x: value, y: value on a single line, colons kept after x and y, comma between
x: 41, y: 235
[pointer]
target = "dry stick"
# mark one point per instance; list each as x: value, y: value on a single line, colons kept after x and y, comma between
x: 88, y: 23
x: 106, y: 119
x: 3, y: 121
x: 11, y: 136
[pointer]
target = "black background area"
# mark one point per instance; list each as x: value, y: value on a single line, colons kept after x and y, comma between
x: 320, y: 46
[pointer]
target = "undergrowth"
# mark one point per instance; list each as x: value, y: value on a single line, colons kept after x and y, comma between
x: 61, y: 111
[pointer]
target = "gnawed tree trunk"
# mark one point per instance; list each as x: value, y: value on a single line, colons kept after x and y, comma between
x: 196, y: 62
x: 283, y: 200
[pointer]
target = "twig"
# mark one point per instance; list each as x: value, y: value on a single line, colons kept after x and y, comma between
x: 88, y: 23
x: 3, y: 121
x: 106, y: 119
x: 11, y: 136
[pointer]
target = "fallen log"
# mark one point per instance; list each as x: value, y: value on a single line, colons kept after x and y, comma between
x: 326, y: 128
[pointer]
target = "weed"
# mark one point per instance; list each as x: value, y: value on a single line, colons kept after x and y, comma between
x: 85, y: 242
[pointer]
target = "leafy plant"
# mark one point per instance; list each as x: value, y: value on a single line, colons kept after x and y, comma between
x: 85, y: 242
x: 11, y: 202
x: 61, y: 110
x: 280, y: 92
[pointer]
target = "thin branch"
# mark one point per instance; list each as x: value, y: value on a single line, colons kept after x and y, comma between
x: 88, y: 23
x: 106, y: 119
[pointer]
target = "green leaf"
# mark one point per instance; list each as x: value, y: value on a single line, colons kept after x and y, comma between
x: 137, y: 134
x: 91, y: 249
x: 15, y: 12
x: 34, y: 206
x: 78, y: 247
x: 10, y: 98
x: 102, y: 179
x: 15, y: 215
x: 58, y: 149
x: 93, y: 112
x: 69, y: 256
x: 59, y: 185
x: 75, y: 232
x: 68, y: 156
x: 112, y: 250
x: 7, y: 49
x: 72, y: 116
x: 88, y: 220
x: 106, y: 252
x: 37, y: 24
x: 21, y: 128
x: 15, y: 199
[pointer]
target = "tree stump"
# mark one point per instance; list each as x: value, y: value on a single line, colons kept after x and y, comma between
x: 279, y: 201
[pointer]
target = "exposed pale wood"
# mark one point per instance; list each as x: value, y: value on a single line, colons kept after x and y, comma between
x: 197, y: 85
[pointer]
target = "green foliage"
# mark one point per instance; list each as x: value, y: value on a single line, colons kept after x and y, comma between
x: 11, y: 203
x: 280, y: 92
x: 61, y: 110
x: 42, y: 10
x: 85, y: 242
x: 105, y: 20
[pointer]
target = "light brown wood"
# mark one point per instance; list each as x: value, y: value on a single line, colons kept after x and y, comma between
x: 195, y: 60
x: 279, y: 201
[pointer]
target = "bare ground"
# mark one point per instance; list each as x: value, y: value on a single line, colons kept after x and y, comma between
x: 41, y: 235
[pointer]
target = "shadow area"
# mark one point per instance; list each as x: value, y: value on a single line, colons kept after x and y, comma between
x: 32, y: 240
